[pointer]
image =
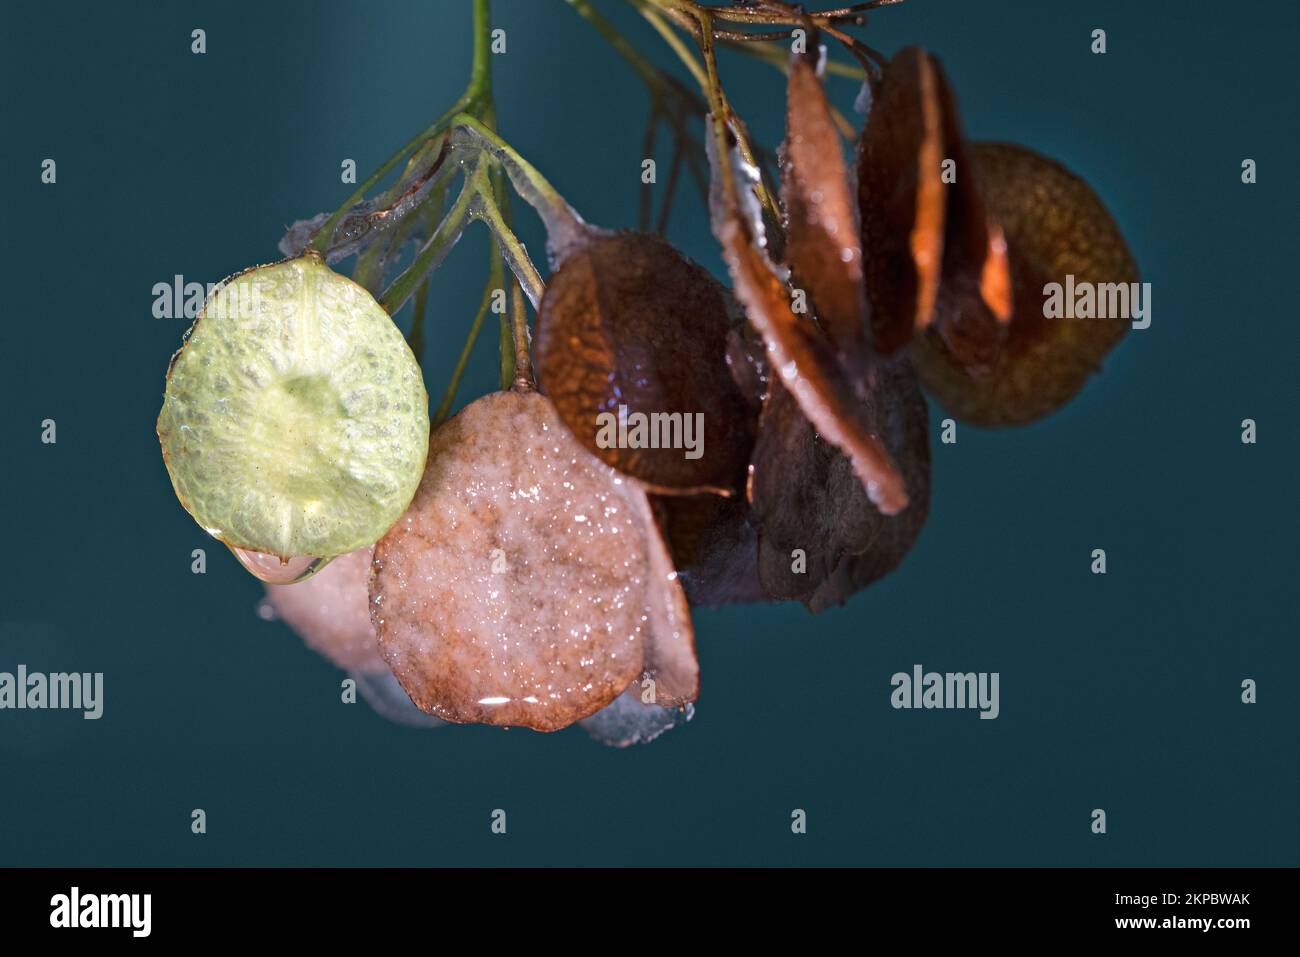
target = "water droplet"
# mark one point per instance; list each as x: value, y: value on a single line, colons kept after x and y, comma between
x: 276, y: 570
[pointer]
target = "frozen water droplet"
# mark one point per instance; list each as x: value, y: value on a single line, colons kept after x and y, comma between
x: 863, y: 103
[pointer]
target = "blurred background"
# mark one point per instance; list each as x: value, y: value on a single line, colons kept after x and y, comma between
x: 1119, y: 692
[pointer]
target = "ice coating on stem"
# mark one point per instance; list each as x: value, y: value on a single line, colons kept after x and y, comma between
x: 299, y: 235
x: 371, y: 219
x: 513, y: 251
x: 746, y: 179
x: 564, y: 227
x: 862, y: 102
x: 434, y: 251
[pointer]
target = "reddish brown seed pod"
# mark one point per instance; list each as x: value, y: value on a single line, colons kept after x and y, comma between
x: 631, y: 345
x: 925, y: 230
x: 822, y: 242
x: 528, y: 583
x: 901, y: 204
x: 801, y: 354
x: 820, y: 539
x: 1055, y: 227
x: 803, y: 360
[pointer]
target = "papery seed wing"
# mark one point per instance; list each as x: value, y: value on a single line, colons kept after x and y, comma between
x: 805, y: 363
x: 822, y: 241
x: 974, y: 302
x: 902, y: 200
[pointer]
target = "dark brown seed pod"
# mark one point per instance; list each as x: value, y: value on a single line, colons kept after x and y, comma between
x: 820, y: 539
x: 1055, y: 227
x: 714, y: 548
x: 822, y: 242
x: 632, y: 333
x: 919, y: 232
x: 804, y: 361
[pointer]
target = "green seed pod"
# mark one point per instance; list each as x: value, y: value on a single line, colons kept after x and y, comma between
x: 295, y: 420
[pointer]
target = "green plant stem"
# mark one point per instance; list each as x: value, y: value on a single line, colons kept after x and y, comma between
x: 476, y: 96
x: 505, y: 346
x: 648, y: 73
x: 656, y: 20
x: 439, y: 244
x: 496, y: 276
x: 492, y: 202
x: 778, y: 56
x: 694, y: 17
x: 718, y: 106
x: 669, y: 99
x: 558, y: 216
x: 416, y: 338
x: 480, y: 74
x: 523, y: 377
x: 514, y: 251
x: 320, y: 242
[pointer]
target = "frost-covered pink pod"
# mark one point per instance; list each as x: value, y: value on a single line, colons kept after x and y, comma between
x: 527, y: 584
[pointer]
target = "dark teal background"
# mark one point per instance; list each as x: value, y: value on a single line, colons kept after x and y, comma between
x: 1120, y: 692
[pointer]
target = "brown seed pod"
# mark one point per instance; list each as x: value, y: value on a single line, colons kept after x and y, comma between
x: 713, y: 545
x: 805, y: 363
x: 714, y: 548
x: 820, y: 540
x: 747, y: 363
x: 631, y: 334
x: 822, y: 242
x: 800, y: 355
x: 331, y: 612
x: 528, y: 583
x: 1055, y: 227
x: 920, y: 233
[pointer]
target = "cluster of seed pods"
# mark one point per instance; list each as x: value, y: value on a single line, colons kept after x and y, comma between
x: 541, y: 575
